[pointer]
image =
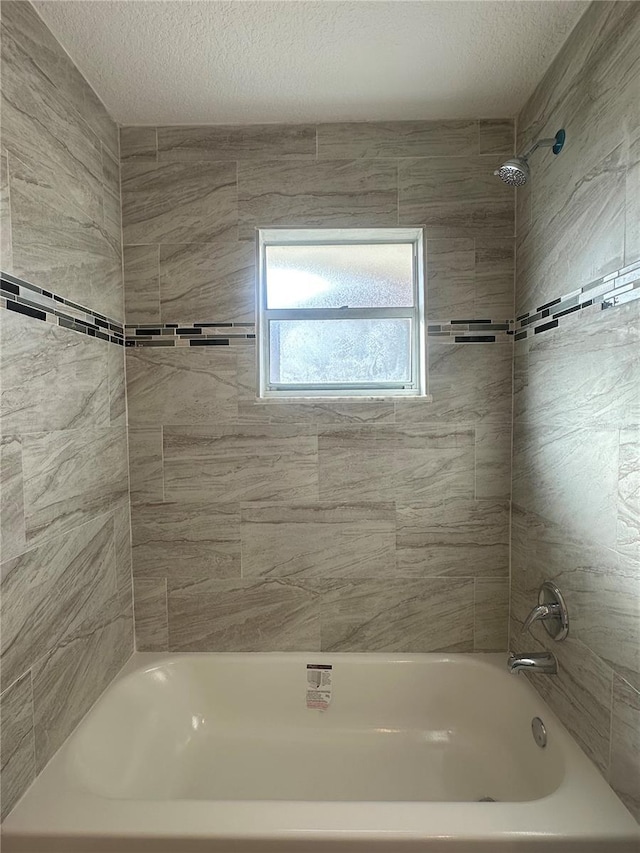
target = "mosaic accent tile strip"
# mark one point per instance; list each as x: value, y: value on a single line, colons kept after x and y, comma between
x: 614, y: 289
x: 195, y: 335
x: 24, y: 298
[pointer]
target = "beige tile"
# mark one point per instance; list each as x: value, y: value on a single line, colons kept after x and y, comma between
x: 493, y: 461
x: 494, y: 266
x: 456, y: 538
x: 426, y: 615
x: 178, y: 202
x: 469, y: 384
x: 207, y: 281
x: 624, y: 770
x: 17, y: 763
x: 12, y: 534
x: 491, y: 622
x: 195, y: 539
x: 138, y: 143
x: 339, y: 193
x: 117, y: 389
x: 69, y: 679
x: 49, y: 590
x: 6, y: 255
x: 240, y: 462
x: 497, y: 136
x: 145, y: 464
x: 455, y: 202
x: 356, y: 462
x: 628, y: 540
x: 71, y: 477
x: 632, y: 206
x: 122, y: 541
x: 237, y: 142
x: 433, y: 462
x: 318, y: 540
x: 51, y: 379
x: 180, y: 386
x: 350, y: 140
x: 142, y: 284
x: 152, y: 631
x: 243, y: 615
x: 451, y: 279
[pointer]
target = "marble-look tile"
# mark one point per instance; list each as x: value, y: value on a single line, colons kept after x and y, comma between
x: 628, y: 539
x: 493, y: 461
x: 17, y: 761
x: 243, y: 616
x: 433, y: 462
x: 350, y: 140
x: 70, y: 477
x: 112, y: 220
x: 456, y: 538
x: 632, y: 206
x: 178, y: 202
x: 6, y: 255
x: 469, y: 384
x: 180, y: 386
x: 69, y: 679
x: 497, y: 136
x: 494, y: 266
x: 150, y: 607
x: 12, y: 534
x: 240, y: 462
x: 569, y: 476
x: 455, y: 202
x: 337, y: 193
x: 202, y: 281
x: 145, y: 464
x: 624, y: 769
x: 110, y: 173
x: 196, y: 540
x: 421, y: 615
x: 48, y: 591
x: 122, y: 543
x: 117, y: 390
x: 237, y: 142
x: 318, y: 540
x: 571, y: 363
x: 356, y: 462
x: 51, y: 379
x: 58, y: 247
x: 451, y: 279
x: 138, y: 143
x: 142, y: 284
x: 491, y: 622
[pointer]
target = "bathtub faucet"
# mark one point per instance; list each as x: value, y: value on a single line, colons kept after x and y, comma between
x: 543, y: 662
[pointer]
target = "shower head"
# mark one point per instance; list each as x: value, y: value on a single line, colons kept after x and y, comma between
x: 515, y: 172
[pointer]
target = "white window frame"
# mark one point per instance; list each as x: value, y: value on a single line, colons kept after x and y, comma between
x: 416, y: 313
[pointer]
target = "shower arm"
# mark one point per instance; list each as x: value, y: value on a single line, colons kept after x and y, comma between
x: 539, y: 143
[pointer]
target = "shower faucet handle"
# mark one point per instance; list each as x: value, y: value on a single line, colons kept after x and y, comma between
x: 551, y: 610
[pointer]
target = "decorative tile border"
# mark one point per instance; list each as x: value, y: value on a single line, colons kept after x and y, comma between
x: 609, y: 291
x: 27, y: 299
x: 189, y: 335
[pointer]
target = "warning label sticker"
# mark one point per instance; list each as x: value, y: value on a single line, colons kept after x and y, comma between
x: 319, y: 686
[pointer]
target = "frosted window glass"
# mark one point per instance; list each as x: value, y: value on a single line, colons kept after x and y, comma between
x: 378, y: 275
x: 340, y: 351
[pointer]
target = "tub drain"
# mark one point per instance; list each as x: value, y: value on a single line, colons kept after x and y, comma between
x: 487, y: 800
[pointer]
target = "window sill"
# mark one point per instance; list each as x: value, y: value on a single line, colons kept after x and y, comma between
x: 319, y: 398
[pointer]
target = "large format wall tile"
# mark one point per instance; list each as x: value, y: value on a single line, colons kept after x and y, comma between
x: 491, y: 619
x: 426, y: 615
x: 142, y: 283
x: 195, y: 539
x: 49, y: 590
x: 240, y: 463
x: 624, y: 771
x: 179, y: 386
x: 178, y: 202
x: 243, y: 615
x: 17, y: 759
x: 453, y: 201
x: 152, y: 629
x: 453, y: 538
x: 70, y: 477
x: 318, y: 540
x: 6, y: 256
x: 397, y: 139
x: 12, y: 533
x: 340, y: 193
x: 221, y: 142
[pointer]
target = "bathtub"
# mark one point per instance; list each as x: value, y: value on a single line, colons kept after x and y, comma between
x: 219, y: 753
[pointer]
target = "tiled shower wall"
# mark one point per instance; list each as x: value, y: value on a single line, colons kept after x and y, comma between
x: 66, y: 560
x: 350, y: 526
x: 576, y: 462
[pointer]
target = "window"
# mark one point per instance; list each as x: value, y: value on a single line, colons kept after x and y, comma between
x: 341, y: 312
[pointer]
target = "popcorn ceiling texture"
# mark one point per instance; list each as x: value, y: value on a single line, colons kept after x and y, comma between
x: 248, y: 62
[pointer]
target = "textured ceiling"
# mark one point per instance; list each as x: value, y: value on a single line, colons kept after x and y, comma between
x: 217, y: 62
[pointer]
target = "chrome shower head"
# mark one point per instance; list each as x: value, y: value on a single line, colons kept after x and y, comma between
x: 515, y: 172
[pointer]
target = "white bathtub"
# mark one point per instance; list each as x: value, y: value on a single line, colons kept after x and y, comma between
x: 219, y: 753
